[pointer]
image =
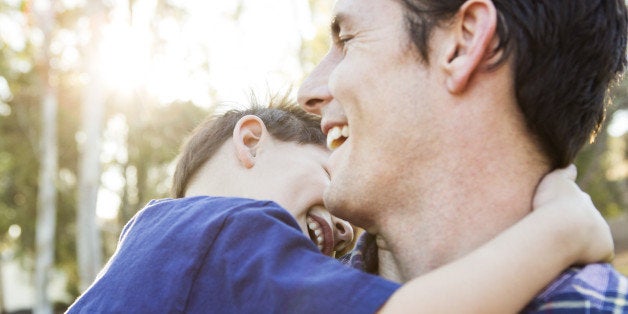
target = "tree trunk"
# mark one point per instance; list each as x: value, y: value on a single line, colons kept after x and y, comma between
x: 88, y: 233
x: 46, y: 202
x: 88, y: 237
x: 47, y: 193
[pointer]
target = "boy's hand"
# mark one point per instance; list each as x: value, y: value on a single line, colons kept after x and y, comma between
x: 559, y: 198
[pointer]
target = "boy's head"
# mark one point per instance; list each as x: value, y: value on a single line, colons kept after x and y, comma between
x: 276, y: 153
x: 284, y: 121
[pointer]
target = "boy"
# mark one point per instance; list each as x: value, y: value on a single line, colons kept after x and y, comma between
x: 234, y: 252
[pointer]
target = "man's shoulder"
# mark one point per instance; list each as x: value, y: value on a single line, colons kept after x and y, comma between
x: 594, y: 288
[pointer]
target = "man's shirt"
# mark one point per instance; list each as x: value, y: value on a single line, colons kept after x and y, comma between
x: 594, y: 288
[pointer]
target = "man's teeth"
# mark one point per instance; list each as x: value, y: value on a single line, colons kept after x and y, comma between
x: 345, y: 130
x: 336, y: 136
x: 316, y: 228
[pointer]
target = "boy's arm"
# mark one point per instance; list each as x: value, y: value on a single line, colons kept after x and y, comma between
x: 503, y: 275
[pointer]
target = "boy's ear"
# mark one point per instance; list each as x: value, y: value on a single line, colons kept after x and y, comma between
x: 247, y: 135
x: 472, y: 32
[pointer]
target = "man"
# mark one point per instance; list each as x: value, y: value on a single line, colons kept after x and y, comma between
x: 222, y: 246
x: 445, y: 114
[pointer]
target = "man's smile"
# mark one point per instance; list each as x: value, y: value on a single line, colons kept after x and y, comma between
x: 337, y: 135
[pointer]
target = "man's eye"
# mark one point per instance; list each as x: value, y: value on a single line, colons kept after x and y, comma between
x: 344, y: 39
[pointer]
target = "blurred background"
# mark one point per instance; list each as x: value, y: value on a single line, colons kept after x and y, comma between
x: 97, y: 96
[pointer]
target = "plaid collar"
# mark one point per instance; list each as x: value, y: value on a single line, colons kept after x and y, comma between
x: 364, y: 256
x: 593, y: 288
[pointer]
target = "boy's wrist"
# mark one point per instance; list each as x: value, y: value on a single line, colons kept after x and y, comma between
x: 567, y: 235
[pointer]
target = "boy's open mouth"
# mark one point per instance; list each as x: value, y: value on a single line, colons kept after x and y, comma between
x: 321, y: 234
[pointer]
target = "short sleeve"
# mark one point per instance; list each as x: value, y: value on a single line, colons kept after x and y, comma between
x: 262, y: 263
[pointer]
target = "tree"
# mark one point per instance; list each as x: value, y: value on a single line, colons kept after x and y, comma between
x: 600, y: 164
x: 88, y: 239
x: 47, y: 194
x: 28, y: 75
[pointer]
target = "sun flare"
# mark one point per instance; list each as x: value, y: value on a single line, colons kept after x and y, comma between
x: 124, y: 57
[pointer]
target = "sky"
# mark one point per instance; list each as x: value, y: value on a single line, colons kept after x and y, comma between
x: 207, y: 53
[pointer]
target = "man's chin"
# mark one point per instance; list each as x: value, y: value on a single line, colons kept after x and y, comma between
x: 341, y: 206
x: 334, y: 202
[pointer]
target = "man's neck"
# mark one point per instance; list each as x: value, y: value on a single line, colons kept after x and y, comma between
x: 476, y: 176
x: 388, y: 266
x: 457, y: 210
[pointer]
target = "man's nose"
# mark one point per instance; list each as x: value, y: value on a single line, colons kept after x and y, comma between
x: 314, y: 95
x: 343, y: 234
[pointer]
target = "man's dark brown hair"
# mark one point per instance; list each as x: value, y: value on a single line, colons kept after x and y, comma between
x: 284, y: 120
x: 565, y: 54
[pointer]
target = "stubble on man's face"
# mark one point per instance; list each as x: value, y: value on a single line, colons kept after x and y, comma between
x: 379, y: 83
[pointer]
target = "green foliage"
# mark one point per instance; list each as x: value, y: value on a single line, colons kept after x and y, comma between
x: 18, y: 172
x: 600, y: 164
x: 155, y: 132
x: 154, y: 136
x: 313, y: 50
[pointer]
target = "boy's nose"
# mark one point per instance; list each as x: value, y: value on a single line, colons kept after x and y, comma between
x: 343, y: 234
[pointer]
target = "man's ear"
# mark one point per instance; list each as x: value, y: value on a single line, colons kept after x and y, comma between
x: 247, y: 136
x: 473, y: 32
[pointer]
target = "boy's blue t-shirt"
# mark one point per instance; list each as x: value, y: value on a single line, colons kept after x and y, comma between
x: 225, y: 255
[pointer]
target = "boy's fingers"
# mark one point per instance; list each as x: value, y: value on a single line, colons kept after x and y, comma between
x: 571, y: 172
x: 557, y: 184
x: 610, y: 258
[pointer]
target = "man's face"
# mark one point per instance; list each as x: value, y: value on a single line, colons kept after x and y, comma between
x: 297, y: 176
x: 373, y: 85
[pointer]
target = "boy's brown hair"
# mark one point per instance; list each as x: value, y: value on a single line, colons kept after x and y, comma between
x: 284, y: 120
